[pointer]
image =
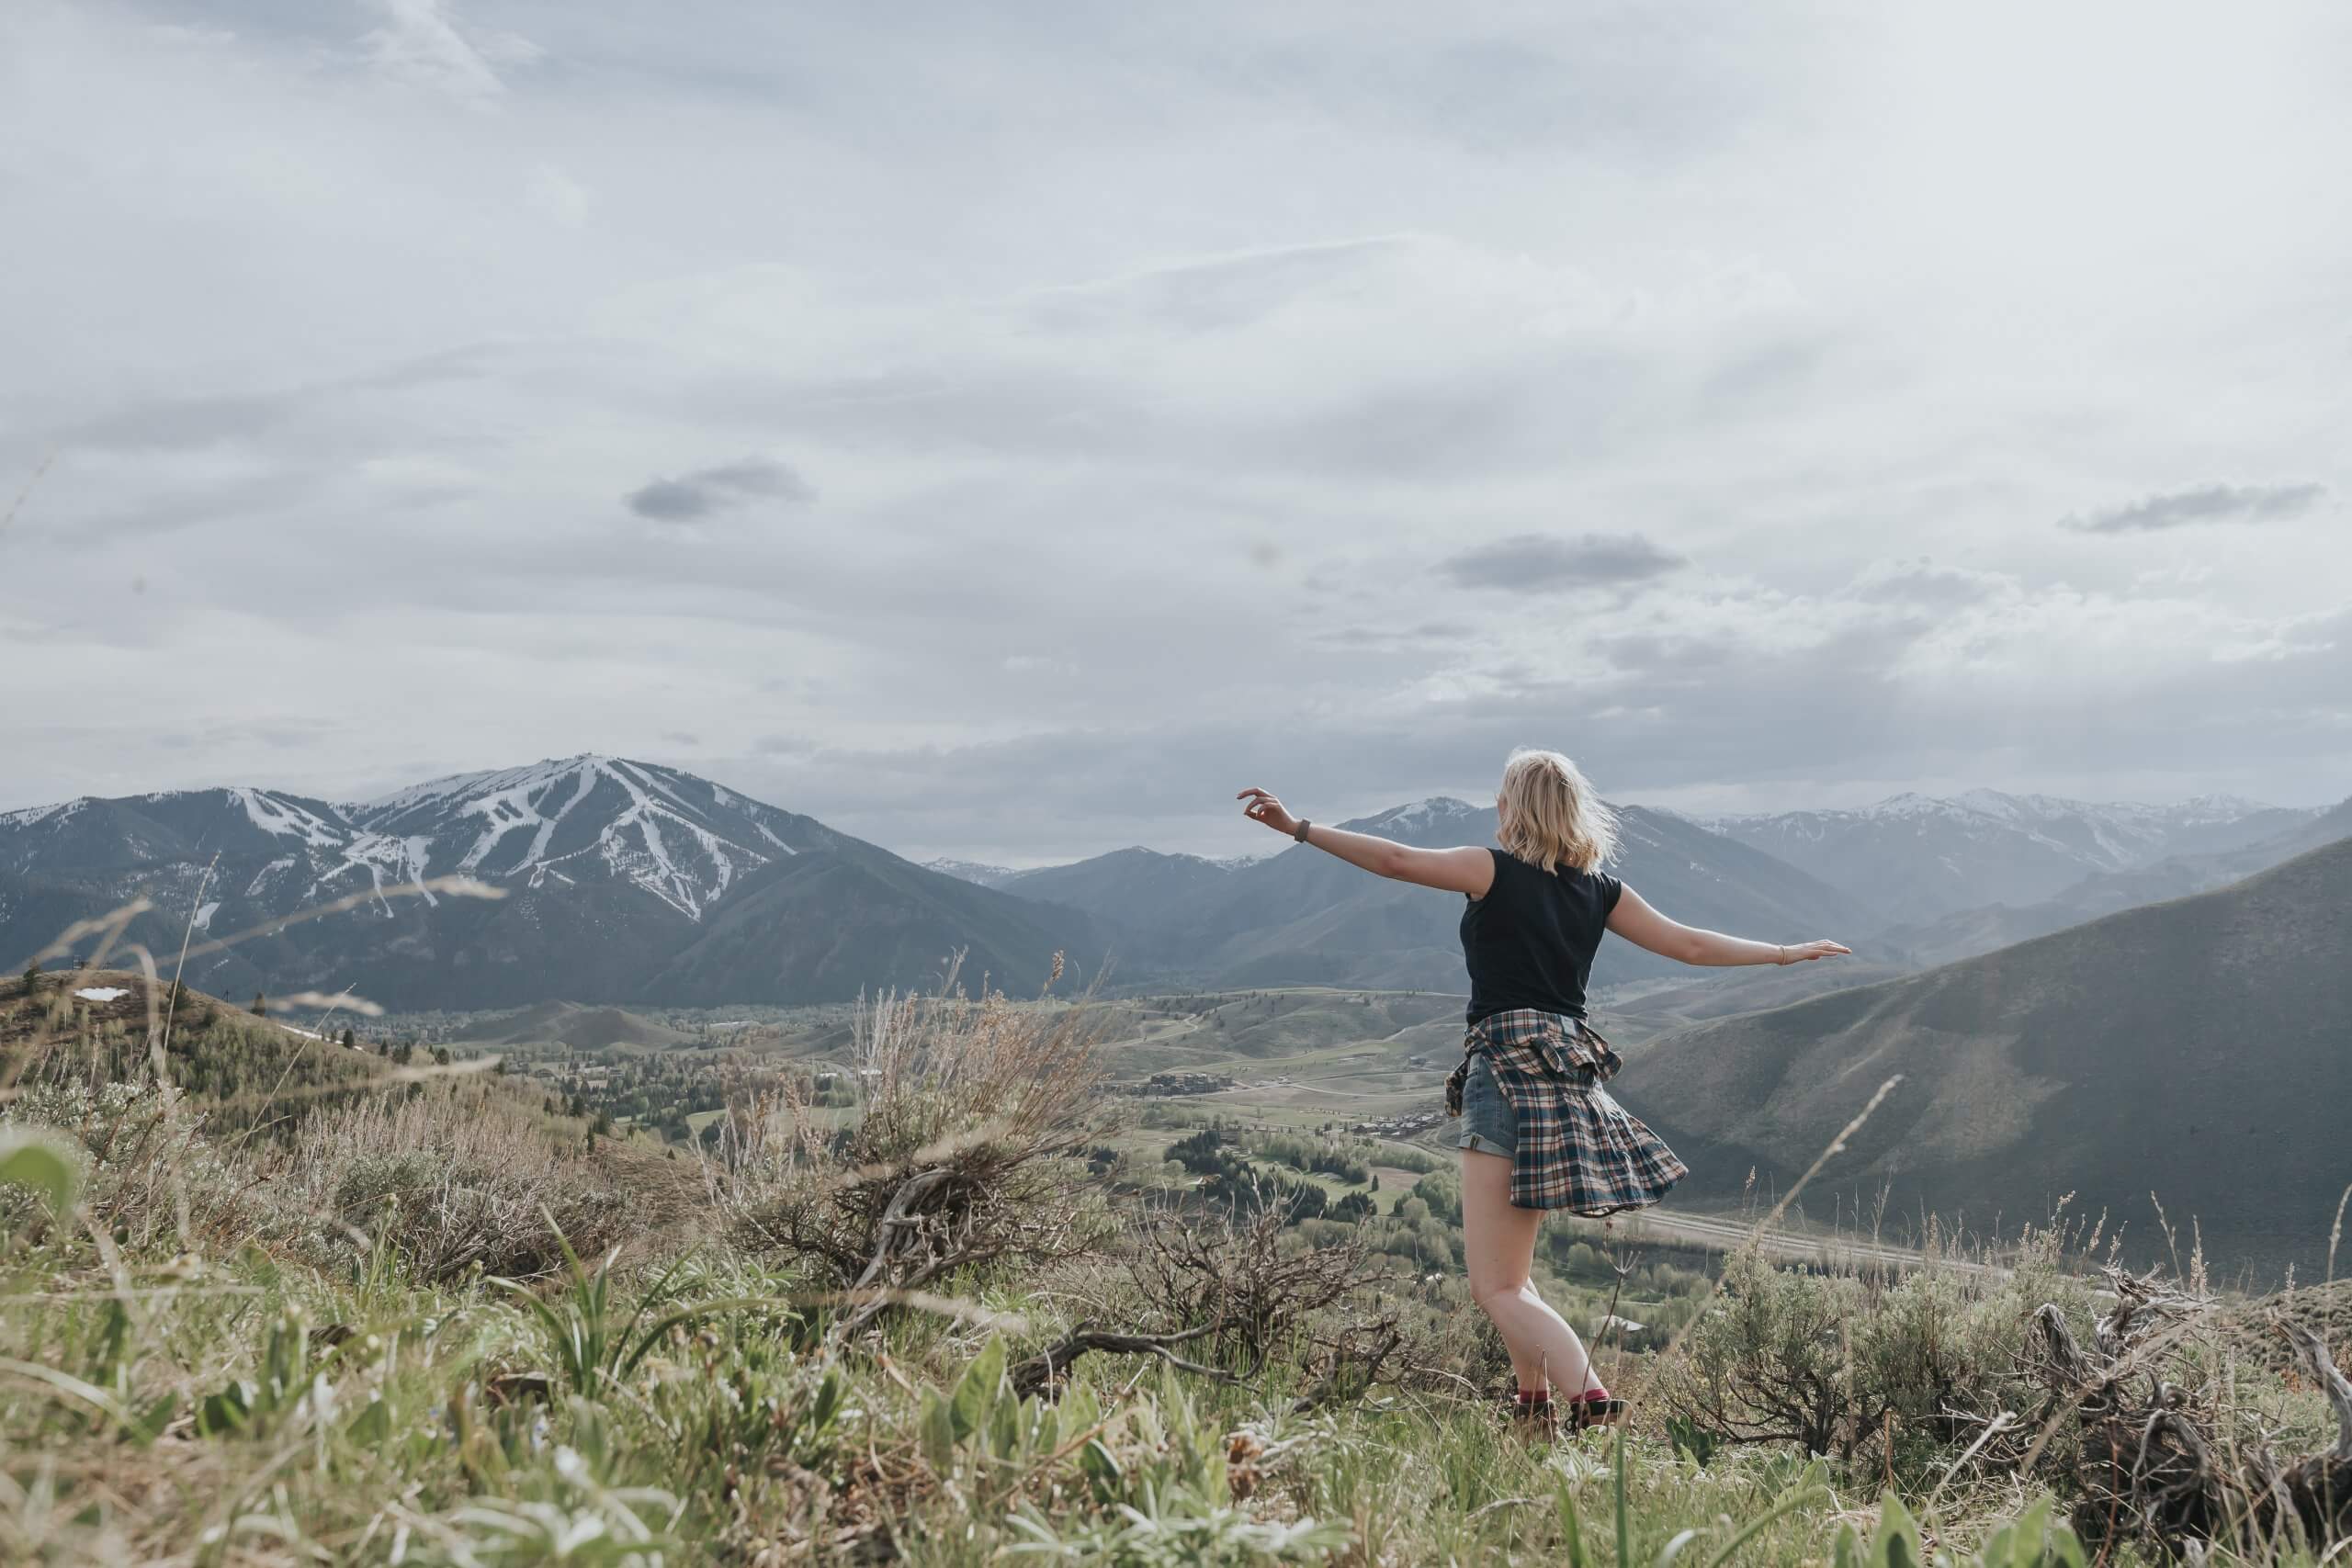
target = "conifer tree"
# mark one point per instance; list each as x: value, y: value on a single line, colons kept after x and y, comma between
x: 261, y: 1005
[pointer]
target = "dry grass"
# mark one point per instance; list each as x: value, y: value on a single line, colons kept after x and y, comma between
x: 960, y: 1153
x: 456, y: 1177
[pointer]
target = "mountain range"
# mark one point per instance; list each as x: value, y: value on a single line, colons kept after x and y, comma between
x: 630, y: 882
x: 1916, y: 858
x: 1302, y: 917
x: 625, y: 881
x: 620, y: 881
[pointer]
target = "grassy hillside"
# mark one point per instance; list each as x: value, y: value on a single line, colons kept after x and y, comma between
x: 358, y: 1338
x: 2198, y: 1049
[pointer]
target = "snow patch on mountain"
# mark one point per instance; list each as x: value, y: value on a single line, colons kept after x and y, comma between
x: 657, y: 840
x: 1436, y: 808
x: 375, y: 854
x: 281, y: 818
x: 2110, y: 836
x: 27, y: 816
x: 969, y: 869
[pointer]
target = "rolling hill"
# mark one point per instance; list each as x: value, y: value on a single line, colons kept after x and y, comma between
x: 2161, y: 1049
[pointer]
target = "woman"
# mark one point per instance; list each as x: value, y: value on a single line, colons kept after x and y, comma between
x: 1538, y: 1131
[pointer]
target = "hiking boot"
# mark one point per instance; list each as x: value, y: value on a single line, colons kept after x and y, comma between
x: 1532, y: 1414
x: 1594, y: 1407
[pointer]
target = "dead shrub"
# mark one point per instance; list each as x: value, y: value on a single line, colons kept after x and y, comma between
x: 2163, y: 1441
x: 1237, y: 1290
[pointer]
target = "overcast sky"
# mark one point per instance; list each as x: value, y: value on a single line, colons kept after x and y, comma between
x: 1006, y: 430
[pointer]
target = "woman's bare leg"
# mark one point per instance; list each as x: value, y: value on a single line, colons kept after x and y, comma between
x: 1500, y: 1243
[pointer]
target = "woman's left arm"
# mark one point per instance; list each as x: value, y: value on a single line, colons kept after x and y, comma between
x: 1468, y: 870
x: 1644, y: 927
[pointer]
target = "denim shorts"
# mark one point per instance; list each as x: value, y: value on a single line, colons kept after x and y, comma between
x: 1488, y: 1123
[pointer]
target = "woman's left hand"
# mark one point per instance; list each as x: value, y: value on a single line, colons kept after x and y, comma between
x: 1264, y: 807
x: 1799, y: 952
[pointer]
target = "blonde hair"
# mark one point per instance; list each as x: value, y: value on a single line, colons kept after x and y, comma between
x: 1551, y: 815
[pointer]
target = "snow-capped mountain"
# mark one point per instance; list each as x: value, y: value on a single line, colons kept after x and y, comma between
x: 1439, y: 820
x: 1916, y: 857
x: 681, y: 838
x: 619, y: 880
x: 971, y: 871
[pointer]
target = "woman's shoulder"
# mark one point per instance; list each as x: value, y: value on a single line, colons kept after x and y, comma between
x: 1594, y: 878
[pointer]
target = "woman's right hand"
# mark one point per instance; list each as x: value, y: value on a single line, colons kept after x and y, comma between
x: 1802, y: 952
x: 1264, y: 807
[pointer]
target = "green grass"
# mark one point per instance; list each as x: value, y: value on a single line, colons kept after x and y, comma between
x: 690, y: 1412
x: 319, y: 1394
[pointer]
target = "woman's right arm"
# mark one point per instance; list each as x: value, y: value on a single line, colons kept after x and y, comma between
x: 1644, y: 927
x: 1465, y: 871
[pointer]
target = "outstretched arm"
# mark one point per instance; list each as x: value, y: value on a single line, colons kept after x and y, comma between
x: 1468, y: 870
x: 1645, y: 927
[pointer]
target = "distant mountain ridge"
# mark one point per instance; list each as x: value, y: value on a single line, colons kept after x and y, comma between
x: 622, y: 881
x: 1916, y: 857
x: 1301, y: 917
x: 1979, y: 930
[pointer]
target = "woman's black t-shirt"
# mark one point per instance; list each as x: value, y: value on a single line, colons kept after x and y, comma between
x: 1530, y: 942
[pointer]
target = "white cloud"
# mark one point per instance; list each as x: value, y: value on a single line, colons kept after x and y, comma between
x: 557, y: 195
x: 420, y: 43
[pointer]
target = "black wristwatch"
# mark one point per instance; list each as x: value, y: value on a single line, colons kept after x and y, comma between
x: 1303, y: 826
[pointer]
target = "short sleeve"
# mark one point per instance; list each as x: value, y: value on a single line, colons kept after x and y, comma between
x: 1610, y: 889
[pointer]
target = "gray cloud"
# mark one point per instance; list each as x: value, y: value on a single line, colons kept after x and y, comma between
x: 1927, y: 585
x: 1216, y: 295
x: 689, y: 496
x: 2205, y: 503
x: 1550, y: 563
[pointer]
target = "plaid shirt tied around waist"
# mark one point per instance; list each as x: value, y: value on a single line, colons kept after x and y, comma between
x: 1578, y: 1149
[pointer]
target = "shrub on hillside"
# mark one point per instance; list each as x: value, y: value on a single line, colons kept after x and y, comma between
x: 970, y: 1148
x: 453, y: 1179
x: 153, y: 1177
x: 1325, y: 1157
x: 1834, y: 1362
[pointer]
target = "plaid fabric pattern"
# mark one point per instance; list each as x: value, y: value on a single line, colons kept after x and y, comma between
x: 1578, y: 1149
